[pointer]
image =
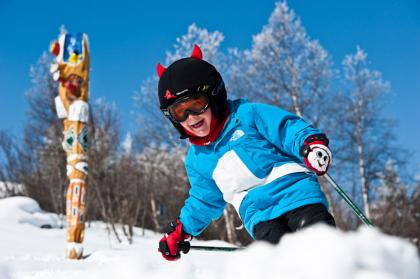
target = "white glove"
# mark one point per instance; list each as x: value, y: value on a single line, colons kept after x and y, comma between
x: 316, y: 154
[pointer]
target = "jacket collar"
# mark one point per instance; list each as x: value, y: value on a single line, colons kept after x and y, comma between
x: 216, y: 128
x: 231, y: 123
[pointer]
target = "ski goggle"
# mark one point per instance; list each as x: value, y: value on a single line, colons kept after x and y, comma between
x: 195, y: 105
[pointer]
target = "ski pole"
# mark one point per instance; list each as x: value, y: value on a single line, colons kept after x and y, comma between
x: 216, y: 248
x: 346, y: 198
x: 186, y: 246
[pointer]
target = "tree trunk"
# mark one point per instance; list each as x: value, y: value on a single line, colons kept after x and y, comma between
x: 362, y: 171
x: 360, y: 156
x: 154, y: 215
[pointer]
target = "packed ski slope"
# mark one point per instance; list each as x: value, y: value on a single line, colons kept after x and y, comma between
x: 27, y: 251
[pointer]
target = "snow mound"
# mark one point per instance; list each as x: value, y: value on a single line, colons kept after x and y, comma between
x: 4, y: 272
x: 25, y: 210
x: 319, y: 252
x: 323, y: 252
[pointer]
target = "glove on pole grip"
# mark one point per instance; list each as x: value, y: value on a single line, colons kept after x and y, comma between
x: 316, y: 154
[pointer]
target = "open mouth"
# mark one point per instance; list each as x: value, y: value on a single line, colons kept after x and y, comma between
x: 198, y: 124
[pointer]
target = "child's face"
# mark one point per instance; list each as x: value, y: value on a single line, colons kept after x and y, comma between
x: 198, y: 125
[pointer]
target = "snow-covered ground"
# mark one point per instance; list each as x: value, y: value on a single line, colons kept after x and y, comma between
x: 27, y: 251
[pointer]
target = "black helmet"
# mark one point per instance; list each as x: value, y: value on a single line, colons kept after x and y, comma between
x: 188, y: 76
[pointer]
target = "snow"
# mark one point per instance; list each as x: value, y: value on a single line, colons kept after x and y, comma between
x: 26, y: 211
x: 28, y: 251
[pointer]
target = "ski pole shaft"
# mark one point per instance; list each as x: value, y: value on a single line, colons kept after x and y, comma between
x: 347, y: 199
x: 185, y: 246
x: 216, y: 248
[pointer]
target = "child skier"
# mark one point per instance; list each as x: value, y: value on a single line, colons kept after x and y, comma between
x: 257, y: 157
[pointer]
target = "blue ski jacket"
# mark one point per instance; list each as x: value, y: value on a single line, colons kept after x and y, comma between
x: 254, y: 165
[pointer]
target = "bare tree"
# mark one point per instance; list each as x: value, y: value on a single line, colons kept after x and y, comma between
x: 165, y: 176
x: 104, y: 140
x: 9, y: 166
x: 397, y: 208
x: 367, y: 136
x: 41, y: 159
x: 286, y: 68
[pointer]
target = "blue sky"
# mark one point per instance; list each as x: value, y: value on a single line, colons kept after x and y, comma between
x: 128, y: 38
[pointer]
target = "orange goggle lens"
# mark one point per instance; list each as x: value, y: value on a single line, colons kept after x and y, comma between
x: 193, y: 104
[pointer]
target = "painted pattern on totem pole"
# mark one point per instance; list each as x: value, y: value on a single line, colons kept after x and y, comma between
x: 71, y: 71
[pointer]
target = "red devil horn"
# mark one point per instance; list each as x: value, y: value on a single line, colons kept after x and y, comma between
x: 160, y: 69
x: 197, y: 53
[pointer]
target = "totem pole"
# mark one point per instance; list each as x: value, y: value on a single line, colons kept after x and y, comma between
x: 71, y: 71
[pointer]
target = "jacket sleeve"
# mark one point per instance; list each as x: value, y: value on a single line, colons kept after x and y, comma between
x: 204, y: 204
x: 283, y: 129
